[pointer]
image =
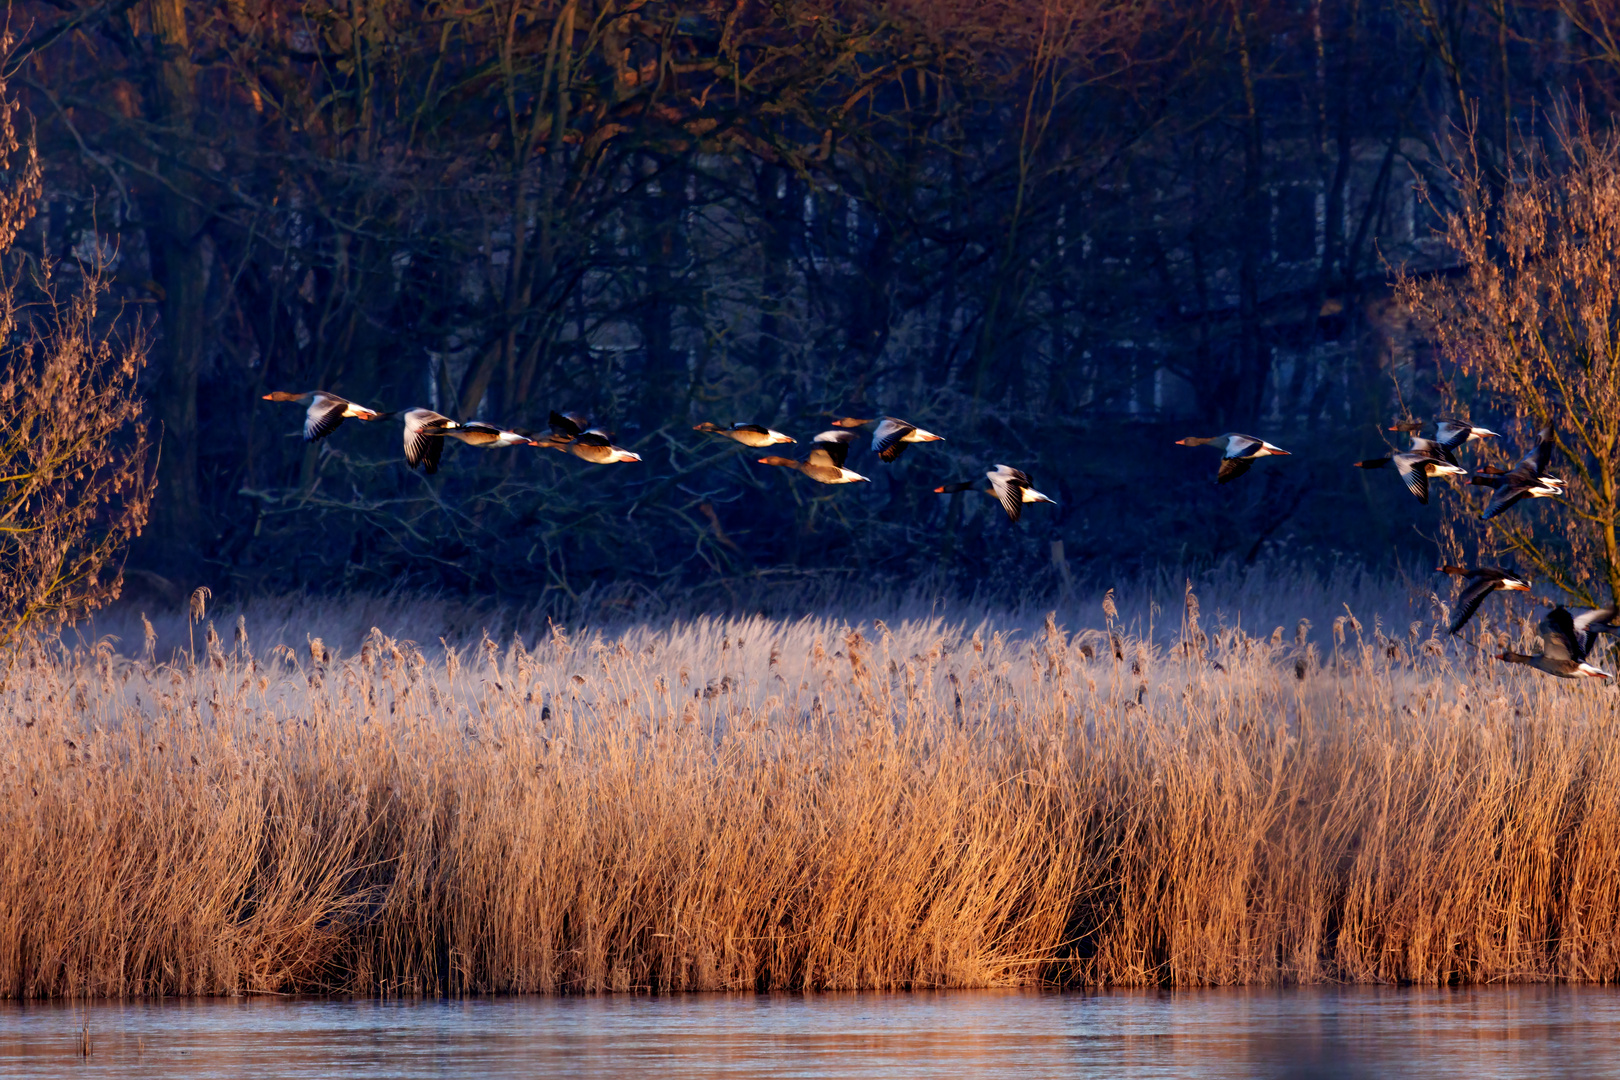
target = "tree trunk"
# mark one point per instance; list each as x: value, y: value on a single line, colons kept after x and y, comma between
x: 177, y: 524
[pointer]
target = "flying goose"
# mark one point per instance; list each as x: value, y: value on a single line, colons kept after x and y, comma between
x: 1447, y: 432
x: 890, y: 434
x: 825, y: 462
x: 424, y: 438
x: 326, y: 411
x: 1011, y: 487
x: 1482, y: 581
x: 755, y: 435
x: 1237, y: 452
x: 1527, y: 479
x: 596, y: 446
x: 1561, y: 653
x: 1416, y: 467
x: 488, y: 436
x: 1454, y: 433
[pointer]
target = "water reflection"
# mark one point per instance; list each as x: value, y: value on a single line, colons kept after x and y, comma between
x: 1535, y: 1031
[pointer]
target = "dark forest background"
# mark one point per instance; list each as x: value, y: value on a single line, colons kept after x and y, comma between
x: 1061, y: 234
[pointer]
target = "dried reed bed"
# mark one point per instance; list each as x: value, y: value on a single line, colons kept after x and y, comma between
x: 757, y: 803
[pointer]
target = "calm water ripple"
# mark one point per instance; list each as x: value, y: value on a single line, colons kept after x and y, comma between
x: 1535, y: 1031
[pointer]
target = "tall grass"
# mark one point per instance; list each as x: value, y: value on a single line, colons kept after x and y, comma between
x: 762, y: 803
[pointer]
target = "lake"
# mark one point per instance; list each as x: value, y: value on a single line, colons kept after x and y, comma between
x: 1521, y: 1031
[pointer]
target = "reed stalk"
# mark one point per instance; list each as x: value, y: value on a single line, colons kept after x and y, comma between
x: 754, y: 804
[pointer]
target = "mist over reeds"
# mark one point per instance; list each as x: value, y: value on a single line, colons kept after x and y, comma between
x: 758, y: 802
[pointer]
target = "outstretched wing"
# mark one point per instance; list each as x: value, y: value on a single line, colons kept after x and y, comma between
x: 1506, y: 495
x: 1452, y: 433
x: 1010, y: 493
x: 831, y: 448
x: 1592, y: 622
x: 1232, y: 468
x: 1596, y: 620
x: 324, y: 415
x: 423, y: 446
x: 1431, y: 448
x: 569, y: 424
x: 887, y: 436
x: 1469, y: 601
x: 424, y: 438
x: 1416, y: 476
x: 1242, y: 446
x: 1019, y: 475
x: 1558, y: 636
x: 1543, y: 455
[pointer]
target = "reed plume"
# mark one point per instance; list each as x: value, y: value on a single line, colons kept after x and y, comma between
x: 723, y: 805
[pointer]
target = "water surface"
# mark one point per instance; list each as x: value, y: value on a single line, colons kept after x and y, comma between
x: 1482, y: 1034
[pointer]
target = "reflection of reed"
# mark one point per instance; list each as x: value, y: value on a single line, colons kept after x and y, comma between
x: 754, y: 803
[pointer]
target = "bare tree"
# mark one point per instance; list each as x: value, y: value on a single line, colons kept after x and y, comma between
x: 74, y: 483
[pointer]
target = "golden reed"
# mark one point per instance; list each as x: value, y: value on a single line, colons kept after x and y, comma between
x: 758, y: 804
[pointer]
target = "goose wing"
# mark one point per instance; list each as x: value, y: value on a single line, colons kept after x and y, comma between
x: 424, y: 448
x: 1431, y: 448
x: 1414, y: 471
x: 1506, y: 495
x: 1543, y: 455
x: 1559, y: 640
x: 887, y: 436
x: 324, y: 415
x: 569, y: 424
x: 1596, y: 620
x: 757, y: 429
x: 1232, y: 468
x: 476, y: 433
x: 1592, y: 622
x: 1471, y: 598
x: 1451, y: 433
x: 1008, y: 485
x: 831, y: 448
x: 1242, y: 446
x: 424, y: 438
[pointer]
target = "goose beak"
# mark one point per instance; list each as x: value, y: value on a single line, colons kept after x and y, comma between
x: 265, y: 398
x: 939, y: 490
x: 1516, y: 586
x: 1280, y: 453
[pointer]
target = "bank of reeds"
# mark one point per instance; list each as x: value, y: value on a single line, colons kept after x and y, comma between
x: 755, y: 803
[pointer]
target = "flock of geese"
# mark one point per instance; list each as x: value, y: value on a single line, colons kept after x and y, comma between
x: 1568, y: 637
x: 571, y: 433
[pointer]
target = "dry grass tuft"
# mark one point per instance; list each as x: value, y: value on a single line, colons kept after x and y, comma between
x: 757, y: 803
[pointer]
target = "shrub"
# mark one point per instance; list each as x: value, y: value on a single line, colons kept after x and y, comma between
x: 1528, y: 328
x: 74, y: 483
